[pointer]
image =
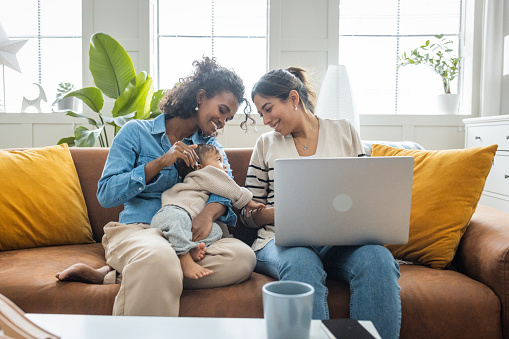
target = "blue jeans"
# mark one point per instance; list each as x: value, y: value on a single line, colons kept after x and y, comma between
x: 370, y: 270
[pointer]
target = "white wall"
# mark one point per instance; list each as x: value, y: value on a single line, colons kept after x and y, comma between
x: 38, y: 130
x: 504, y: 104
x: 34, y: 129
x: 302, y: 33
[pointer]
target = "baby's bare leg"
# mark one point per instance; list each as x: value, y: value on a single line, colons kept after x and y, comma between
x: 191, y: 269
x: 84, y: 273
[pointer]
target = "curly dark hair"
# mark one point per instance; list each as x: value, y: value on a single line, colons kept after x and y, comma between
x: 208, y: 75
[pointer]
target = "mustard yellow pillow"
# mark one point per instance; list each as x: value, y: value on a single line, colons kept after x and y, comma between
x: 447, y: 186
x: 41, y: 202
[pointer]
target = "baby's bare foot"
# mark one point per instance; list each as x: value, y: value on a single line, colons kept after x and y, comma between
x: 84, y: 273
x: 192, y: 270
x: 195, y: 271
x: 198, y: 252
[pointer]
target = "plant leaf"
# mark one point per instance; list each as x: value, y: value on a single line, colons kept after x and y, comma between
x: 110, y: 65
x: 119, y: 121
x: 85, y: 137
x: 69, y: 141
x: 81, y: 116
x: 154, y: 105
x: 136, y: 97
x: 91, y: 96
x: 436, y: 55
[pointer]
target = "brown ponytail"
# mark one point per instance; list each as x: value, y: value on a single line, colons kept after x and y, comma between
x: 279, y: 83
x: 301, y: 74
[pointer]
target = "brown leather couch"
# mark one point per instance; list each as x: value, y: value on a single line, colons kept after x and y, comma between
x: 470, y: 301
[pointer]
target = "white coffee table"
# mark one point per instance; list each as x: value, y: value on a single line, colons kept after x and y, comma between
x: 71, y: 326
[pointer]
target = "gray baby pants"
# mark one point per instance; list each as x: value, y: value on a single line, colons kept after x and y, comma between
x: 175, y: 223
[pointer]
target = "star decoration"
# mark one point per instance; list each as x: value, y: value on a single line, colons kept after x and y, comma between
x: 8, y: 50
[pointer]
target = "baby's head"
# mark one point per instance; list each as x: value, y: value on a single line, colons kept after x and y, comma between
x: 208, y: 155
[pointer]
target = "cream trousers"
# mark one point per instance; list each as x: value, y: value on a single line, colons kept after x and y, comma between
x: 149, y: 271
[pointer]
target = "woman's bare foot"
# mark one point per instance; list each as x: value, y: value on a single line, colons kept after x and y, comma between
x: 84, y: 273
x: 191, y: 269
x: 198, y: 252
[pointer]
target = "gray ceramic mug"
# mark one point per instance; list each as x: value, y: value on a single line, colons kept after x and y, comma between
x: 287, y: 309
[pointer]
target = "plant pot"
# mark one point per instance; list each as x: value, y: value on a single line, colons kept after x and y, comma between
x: 446, y: 103
x: 68, y: 104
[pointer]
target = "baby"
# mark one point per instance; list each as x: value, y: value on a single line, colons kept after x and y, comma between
x: 184, y: 201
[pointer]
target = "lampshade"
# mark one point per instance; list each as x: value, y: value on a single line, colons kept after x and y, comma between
x: 335, y: 98
x: 506, y: 55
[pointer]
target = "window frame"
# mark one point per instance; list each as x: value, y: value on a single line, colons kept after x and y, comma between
x: 159, y: 36
x: 40, y: 39
x: 471, y: 69
x: 470, y: 47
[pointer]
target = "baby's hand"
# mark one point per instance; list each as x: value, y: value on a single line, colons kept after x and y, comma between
x: 254, y: 206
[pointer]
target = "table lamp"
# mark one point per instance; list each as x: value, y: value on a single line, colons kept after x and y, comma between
x: 335, y: 98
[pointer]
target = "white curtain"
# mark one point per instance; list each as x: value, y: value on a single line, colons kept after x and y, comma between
x: 504, y: 102
x: 494, y: 86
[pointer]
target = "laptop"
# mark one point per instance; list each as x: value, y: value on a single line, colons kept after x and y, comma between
x: 343, y: 201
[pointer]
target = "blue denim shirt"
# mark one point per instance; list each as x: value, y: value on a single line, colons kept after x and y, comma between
x: 123, y: 179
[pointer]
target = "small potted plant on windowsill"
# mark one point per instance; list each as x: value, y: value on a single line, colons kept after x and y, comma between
x: 438, y: 56
x: 65, y: 103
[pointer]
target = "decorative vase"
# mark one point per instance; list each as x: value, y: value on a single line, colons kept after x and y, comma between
x: 447, y: 103
x: 68, y: 104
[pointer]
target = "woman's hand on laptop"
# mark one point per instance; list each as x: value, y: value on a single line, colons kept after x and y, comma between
x: 262, y: 217
x: 254, y: 206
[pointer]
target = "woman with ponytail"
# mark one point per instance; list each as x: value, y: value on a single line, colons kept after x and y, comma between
x: 285, y: 101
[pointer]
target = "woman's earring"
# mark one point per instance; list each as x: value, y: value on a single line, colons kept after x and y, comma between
x: 196, y: 108
x: 295, y: 106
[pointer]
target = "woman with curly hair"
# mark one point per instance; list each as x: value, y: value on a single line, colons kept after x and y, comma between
x: 141, y: 165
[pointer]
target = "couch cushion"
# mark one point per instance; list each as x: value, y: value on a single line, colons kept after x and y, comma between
x: 367, y: 145
x: 41, y: 202
x: 28, y: 280
x: 447, y: 186
x: 89, y: 163
x: 446, y: 304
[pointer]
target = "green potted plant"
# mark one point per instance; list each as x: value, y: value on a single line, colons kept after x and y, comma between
x: 63, y: 103
x: 438, y: 55
x: 114, y: 76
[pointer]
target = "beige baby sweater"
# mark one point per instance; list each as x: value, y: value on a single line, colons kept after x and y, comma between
x: 193, y: 194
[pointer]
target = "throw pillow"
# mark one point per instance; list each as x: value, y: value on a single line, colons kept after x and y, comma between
x: 446, y: 188
x: 41, y: 202
x: 368, y: 145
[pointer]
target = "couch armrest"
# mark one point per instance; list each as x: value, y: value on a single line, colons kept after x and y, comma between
x: 483, y: 254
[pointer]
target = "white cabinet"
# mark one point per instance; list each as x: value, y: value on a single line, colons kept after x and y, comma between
x: 488, y: 131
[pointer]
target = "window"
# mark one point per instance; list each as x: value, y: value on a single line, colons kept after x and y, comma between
x: 51, y: 55
x: 373, y: 33
x: 233, y: 31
